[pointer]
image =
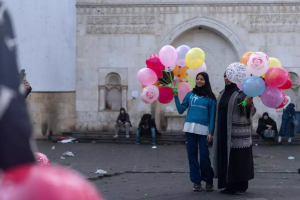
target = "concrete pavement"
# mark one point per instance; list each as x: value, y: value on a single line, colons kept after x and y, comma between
x: 162, y: 173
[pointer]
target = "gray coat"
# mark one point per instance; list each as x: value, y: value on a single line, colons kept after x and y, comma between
x: 238, y: 126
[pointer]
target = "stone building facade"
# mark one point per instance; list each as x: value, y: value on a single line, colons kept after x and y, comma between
x: 115, y: 37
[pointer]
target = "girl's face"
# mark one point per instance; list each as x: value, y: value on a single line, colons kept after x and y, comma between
x: 200, y: 82
x: 122, y: 112
x: 266, y: 117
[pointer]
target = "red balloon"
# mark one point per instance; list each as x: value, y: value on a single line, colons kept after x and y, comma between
x: 165, y: 95
x: 287, y: 85
x: 285, y: 100
x: 32, y: 182
x: 158, y: 73
x: 154, y: 63
x: 276, y: 76
x: 153, y: 55
x: 42, y: 159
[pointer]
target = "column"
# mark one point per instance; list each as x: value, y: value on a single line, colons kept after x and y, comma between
x: 101, y: 97
x: 124, y: 97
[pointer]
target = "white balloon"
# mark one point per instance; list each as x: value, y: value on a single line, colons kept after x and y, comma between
x: 182, y: 51
x: 150, y: 94
x: 193, y: 72
x: 237, y: 72
x: 258, y: 63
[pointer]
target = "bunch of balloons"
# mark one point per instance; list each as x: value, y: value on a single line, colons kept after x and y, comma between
x: 158, y: 78
x: 259, y: 75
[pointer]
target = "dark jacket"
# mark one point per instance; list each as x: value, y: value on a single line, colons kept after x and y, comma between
x: 124, y: 118
x: 150, y: 122
x: 287, y: 126
x: 262, y: 124
x: 15, y: 126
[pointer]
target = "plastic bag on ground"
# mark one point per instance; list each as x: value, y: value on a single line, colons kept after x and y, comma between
x: 68, y: 153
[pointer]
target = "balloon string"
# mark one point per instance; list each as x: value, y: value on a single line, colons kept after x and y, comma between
x: 177, y: 75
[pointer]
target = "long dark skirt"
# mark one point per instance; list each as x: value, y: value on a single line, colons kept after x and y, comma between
x: 240, y: 169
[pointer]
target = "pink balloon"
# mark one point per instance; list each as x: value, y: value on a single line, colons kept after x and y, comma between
x: 193, y: 72
x: 147, y: 76
x: 150, y: 94
x: 276, y: 77
x: 183, y: 89
x: 240, y: 86
x: 168, y: 55
x: 42, y: 159
x: 272, y: 97
x: 259, y: 63
x: 32, y: 182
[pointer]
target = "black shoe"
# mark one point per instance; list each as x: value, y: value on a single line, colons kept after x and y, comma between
x: 299, y: 170
x: 227, y: 191
x: 240, y: 192
x: 197, y: 187
x: 209, y: 187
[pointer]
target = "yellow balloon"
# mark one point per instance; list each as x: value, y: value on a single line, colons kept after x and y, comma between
x: 194, y: 58
x: 191, y: 81
x: 274, y: 62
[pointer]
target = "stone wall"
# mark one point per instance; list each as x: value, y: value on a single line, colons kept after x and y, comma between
x: 122, y: 34
x: 55, y: 109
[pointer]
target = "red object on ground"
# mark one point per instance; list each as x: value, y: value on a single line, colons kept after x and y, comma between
x: 32, y: 182
x: 42, y: 159
x: 62, y: 138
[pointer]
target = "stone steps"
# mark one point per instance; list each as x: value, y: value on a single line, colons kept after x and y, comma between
x: 161, y: 139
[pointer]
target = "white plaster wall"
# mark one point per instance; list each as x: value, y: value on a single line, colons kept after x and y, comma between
x: 46, y: 36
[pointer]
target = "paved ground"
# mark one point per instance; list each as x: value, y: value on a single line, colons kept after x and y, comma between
x: 140, y: 172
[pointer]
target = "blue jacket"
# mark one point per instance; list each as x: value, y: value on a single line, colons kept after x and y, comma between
x: 201, y: 110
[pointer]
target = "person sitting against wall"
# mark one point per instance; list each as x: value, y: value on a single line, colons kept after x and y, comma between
x: 266, y: 123
x: 122, y: 121
x: 146, y: 126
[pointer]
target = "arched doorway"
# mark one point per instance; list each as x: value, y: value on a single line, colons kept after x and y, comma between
x: 222, y: 47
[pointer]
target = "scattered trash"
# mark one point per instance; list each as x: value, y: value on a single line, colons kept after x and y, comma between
x: 53, y: 147
x: 69, y: 140
x: 256, y: 166
x: 169, y: 109
x: 256, y: 144
x: 146, y: 194
x: 63, y: 158
x: 154, y: 147
x: 76, y: 142
x: 100, y: 171
x: 68, y: 153
x: 291, y: 158
x: 93, y: 142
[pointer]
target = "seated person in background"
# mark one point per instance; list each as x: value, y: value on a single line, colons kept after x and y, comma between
x: 147, y: 125
x: 123, y: 120
x: 266, y: 123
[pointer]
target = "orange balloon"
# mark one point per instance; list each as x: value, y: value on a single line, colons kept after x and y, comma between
x: 245, y: 57
x: 182, y: 72
x: 156, y: 83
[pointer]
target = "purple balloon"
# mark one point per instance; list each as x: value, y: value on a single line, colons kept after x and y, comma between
x: 272, y: 97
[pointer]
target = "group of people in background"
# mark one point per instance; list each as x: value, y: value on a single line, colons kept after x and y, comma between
x: 287, y: 129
